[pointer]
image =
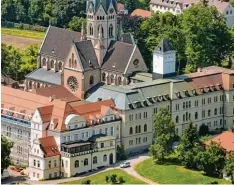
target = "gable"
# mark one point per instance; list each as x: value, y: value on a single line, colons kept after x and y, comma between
x: 36, y: 117
x: 73, y: 60
x: 136, y: 63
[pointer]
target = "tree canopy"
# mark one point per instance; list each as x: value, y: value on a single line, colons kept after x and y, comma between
x: 164, y: 134
x: 5, y: 153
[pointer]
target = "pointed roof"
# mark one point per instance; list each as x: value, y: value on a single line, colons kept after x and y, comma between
x: 164, y: 46
x: 104, y: 3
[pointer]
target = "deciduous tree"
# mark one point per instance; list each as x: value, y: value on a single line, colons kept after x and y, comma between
x: 164, y: 132
x: 5, y: 153
x: 229, y: 167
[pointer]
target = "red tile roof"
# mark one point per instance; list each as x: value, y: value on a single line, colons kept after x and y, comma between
x: 141, y: 13
x: 226, y: 141
x: 49, y: 146
x: 58, y: 92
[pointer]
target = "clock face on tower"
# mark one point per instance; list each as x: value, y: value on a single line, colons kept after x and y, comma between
x: 72, y: 83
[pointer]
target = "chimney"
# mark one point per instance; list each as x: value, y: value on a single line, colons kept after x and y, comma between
x: 51, y: 98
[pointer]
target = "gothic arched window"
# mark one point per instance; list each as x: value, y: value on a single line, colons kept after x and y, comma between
x: 103, y: 77
x: 119, y: 81
x: 95, y: 160
x: 91, y: 81
x: 86, y: 162
x: 111, y: 30
x: 44, y: 62
x: 70, y: 65
x: 112, y: 78
x: 60, y: 65
x: 75, y: 64
x: 76, y: 164
x: 90, y: 29
x: 102, y: 30
x: 51, y: 64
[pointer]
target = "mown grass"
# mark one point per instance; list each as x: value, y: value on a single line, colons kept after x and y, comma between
x: 101, y: 177
x: 173, y: 174
x: 23, y: 33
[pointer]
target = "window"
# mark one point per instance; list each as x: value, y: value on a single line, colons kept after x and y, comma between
x: 34, y: 162
x: 51, y: 64
x: 100, y: 131
x: 49, y: 164
x: 102, y: 145
x: 136, y: 129
x: 131, y: 117
x: 60, y: 66
x: 130, y: 142
x: 177, y: 119
x: 76, y: 164
x: 215, y: 111
x: 55, y: 163
x: 103, y: 77
x: 105, y: 158
x: 62, y: 163
x: 90, y: 29
x: 50, y: 176
x: 156, y: 110
x: 66, y: 164
x: 112, y: 131
x: 130, y: 131
x: 91, y: 81
x: 139, y: 128
x: 55, y: 174
x: 101, y: 30
x: 111, y: 143
x: 196, y: 115
x: 145, y: 128
x: 209, y: 112
x: 111, y: 30
x: 95, y: 160
x: 38, y: 175
x: 38, y: 164
x: 145, y: 115
x: 86, y: 162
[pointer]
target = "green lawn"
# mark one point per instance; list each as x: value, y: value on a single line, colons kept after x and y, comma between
x: 100, y: 178
x: 173, y: 174
x: 23, y: 33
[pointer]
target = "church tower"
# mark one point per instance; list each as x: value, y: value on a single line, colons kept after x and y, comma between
x: 101, y: 19
x: 164, y: 60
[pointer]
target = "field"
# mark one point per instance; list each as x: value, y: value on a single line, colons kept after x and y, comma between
x: 21, y: 38
x: 173, y: 174
x: 100, y: 178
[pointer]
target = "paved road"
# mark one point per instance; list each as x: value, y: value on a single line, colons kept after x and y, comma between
x: 133, y: 160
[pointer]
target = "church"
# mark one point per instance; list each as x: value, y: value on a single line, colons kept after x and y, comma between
x: 81, y: 61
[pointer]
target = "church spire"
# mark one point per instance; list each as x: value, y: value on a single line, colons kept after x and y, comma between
x: 83, y: 36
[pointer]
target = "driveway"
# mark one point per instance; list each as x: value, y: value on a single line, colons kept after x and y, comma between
x: 133, y: 160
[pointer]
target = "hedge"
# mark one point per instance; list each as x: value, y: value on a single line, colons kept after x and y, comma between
x: 7, y: 24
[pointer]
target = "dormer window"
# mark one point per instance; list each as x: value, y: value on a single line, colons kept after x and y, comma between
x: 186, y: 93
x: 178, y: 94
x: 202, y: 90
x: 160, y: 98
x: 194, y: 91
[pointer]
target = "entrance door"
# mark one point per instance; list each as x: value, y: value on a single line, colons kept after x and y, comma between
x: 111, y: 158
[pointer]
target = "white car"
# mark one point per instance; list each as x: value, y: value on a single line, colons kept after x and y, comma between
x: 125, y: 165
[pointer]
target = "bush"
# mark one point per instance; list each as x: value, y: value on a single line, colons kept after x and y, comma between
x: 107, y: 179
x: 203, y: 130
x: 121, y: 180
x: 7, y: 24
x: 113, y: 178
x: 86, y: 182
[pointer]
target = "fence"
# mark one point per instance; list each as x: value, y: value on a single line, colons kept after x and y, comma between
x: 7, y: 24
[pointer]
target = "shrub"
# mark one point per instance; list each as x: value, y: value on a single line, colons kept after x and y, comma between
x: 121, y: 180
x: 7, y: 24
x: 86, y: 182
x: 113, y: 178
x: 107, y: 178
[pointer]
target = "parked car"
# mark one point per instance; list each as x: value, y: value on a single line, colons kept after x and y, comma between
x: 125, y: 165
x: 5, y: 174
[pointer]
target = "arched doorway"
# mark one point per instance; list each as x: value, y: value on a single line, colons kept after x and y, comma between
x: 111, y: 159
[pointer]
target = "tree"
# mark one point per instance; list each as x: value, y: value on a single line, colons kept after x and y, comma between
x: 11, y: 61
x: 35, y: 11
x: 208, y: 40
x: 203, y: 130
x: 76, y: 23
x: 158, y: 26
x: 212, y: 160
x: 113, y: 178
x: 29, y: 59
x: 164, y: 133
x: 189, y: 146
x: 229, y: 167
x: 5, y: 153
x: 121, y: 153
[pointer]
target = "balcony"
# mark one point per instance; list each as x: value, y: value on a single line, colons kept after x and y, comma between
x: 16, y: 121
